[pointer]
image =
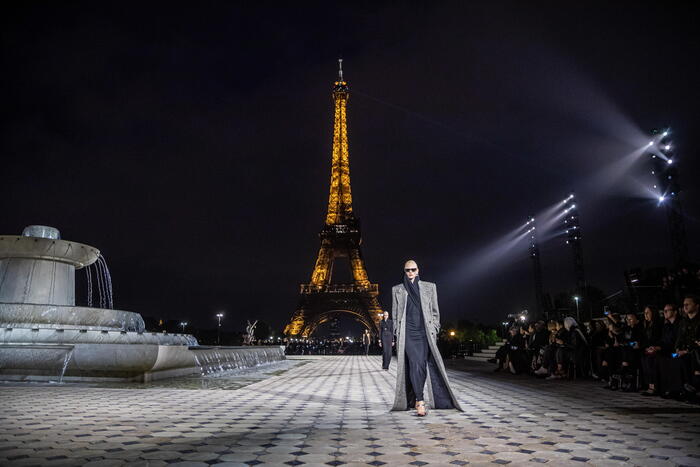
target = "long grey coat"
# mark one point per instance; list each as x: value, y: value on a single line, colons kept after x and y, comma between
x: 431, y: 315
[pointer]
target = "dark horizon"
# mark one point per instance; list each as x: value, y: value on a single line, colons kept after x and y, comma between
x: 192, y: 146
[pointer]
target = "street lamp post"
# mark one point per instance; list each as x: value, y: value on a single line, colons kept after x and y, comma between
x: 218, y: 331
x: 183, y: 324
x: 576, y: 299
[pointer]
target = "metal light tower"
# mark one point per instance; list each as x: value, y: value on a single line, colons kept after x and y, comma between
x: 573, y: 238
x: 667, y: 187
x: 540, y: 307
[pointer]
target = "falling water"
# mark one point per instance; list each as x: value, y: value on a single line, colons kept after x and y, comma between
x: 196, y: 361
x: 100, y: 286
x: 88, y: 274
x: 103, y: 279
x: 108, y: 281
x: 66, y: 359
x: 213, y: 362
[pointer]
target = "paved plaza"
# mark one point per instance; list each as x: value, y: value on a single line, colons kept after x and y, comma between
x: 334, y: 411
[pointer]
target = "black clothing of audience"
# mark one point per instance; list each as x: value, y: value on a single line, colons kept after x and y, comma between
x: 688, y: 333
x: 516, y: 352
x: 574, y: 348
x: 669, y: 337
x: 539, y: 339
x: 652, y: 333
x: 669, y: 370
x: 650, y: 354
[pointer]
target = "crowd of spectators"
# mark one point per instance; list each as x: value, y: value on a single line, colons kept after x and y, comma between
x: 325, y: 346
x: 657, y: 353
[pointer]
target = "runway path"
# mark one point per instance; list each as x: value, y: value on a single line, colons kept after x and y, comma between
x: 334, y: 411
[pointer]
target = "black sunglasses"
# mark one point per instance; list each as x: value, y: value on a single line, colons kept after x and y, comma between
x: 411, y: 269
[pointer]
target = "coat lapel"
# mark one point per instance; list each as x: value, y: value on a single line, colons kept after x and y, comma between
x: 424, y: 298
x: 403, y: 296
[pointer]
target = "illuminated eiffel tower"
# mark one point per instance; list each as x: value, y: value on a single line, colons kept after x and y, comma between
x: 321, y: 300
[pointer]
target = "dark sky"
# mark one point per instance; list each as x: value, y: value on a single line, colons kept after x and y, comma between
x: 191, y: 145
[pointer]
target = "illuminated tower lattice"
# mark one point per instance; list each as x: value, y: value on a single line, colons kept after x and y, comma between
x: 321, y: 300
x: 572, y: 224
x: 665, y: 170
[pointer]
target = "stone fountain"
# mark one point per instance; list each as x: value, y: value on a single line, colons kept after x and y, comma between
x: 44, y: 336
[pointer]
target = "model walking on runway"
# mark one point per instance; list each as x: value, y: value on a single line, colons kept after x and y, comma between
x: 417, y: 323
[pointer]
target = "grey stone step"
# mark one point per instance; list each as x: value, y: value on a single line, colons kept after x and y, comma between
x: 478, y: 358
x: 486, y: 353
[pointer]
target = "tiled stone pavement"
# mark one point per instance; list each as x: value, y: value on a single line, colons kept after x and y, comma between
x: 334, y: 411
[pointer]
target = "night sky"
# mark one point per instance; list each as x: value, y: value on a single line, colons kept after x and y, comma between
x: 192, y: 145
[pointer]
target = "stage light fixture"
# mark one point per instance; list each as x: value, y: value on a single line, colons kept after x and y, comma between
x: 670, y: 161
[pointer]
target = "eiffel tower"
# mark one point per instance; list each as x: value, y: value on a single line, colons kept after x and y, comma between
x: 321, y: 300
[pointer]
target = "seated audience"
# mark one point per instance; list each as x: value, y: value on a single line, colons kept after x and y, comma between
x: 632, y: 337
x: 652, y: 337
x: 686, y: 351
x: 661, y: 352
x: 599, y: 335
x: 512, y: 353
x: 571, y: 348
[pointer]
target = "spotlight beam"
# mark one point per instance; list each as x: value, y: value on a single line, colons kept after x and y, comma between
x: 489, y: 257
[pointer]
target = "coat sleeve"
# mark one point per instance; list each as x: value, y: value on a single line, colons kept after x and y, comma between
x: 435, y: 309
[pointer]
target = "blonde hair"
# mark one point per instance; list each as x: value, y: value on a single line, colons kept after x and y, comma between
x: 569, y: 321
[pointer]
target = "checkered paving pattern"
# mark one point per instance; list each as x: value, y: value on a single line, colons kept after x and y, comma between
x: 334, y: 411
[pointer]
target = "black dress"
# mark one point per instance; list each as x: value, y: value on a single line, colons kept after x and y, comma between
x: 416, y: 347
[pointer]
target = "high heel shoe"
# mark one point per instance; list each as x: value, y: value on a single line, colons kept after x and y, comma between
x: 420, y: 409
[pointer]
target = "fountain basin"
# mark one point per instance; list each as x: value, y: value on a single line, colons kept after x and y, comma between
x: 44, y: 336
x: 29, y: 315
x: 50, y: 249
x: 123, y: 362
x: 82, y: 336
x: 41, y: 270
